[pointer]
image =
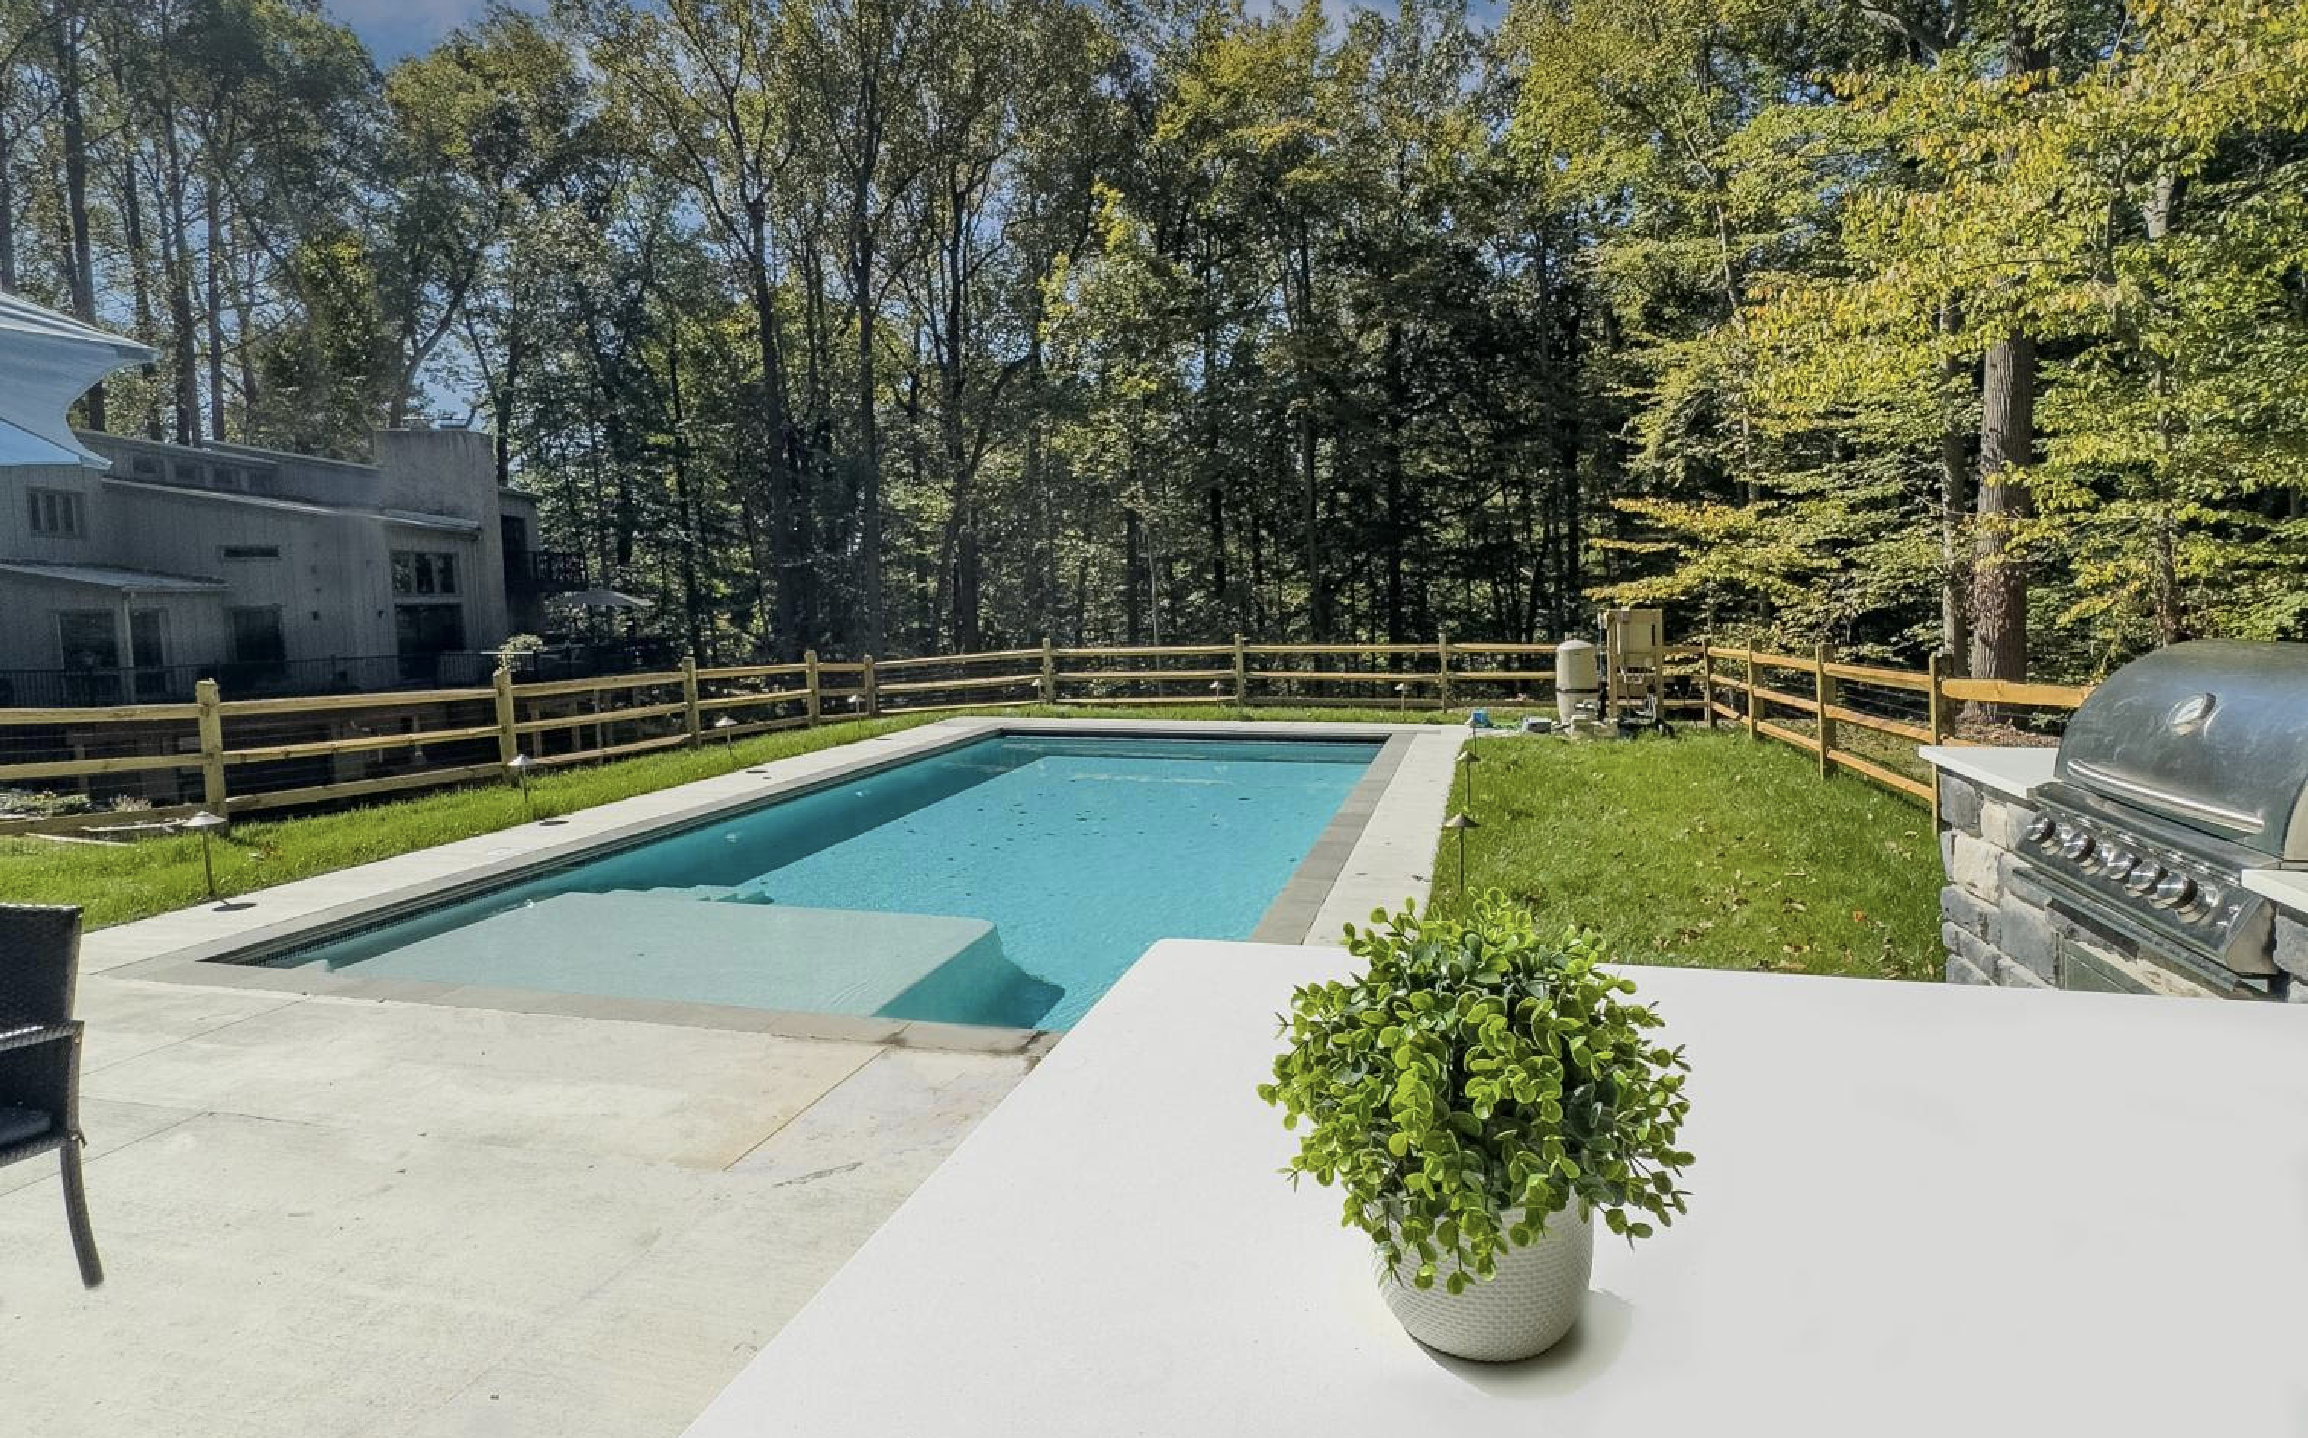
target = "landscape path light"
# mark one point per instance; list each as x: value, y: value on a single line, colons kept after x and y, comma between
x: 1461, y: 823
x: 1469, y: 758
x: 204, y: 823
x: 518, y: 766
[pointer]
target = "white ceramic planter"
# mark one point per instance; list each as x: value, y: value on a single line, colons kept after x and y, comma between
x: 1523, y: 1310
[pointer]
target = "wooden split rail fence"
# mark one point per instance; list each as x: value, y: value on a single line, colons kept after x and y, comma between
x: 234, y: 756
x: 1758, y: 680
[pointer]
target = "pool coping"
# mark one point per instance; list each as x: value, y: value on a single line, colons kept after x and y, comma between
x: 232, y: 958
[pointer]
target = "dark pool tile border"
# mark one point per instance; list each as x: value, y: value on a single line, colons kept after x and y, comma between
x: 1291, y: 917
x: 235, y: 962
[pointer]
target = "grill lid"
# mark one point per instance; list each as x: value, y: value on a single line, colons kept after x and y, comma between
x: 2212, y: 734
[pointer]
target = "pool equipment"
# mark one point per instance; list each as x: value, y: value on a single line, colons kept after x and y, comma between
x: 1578, y: 685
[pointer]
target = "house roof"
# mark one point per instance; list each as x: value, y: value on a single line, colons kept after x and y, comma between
x: 220, y: 496
x: 415, y: 520
x: 104, y: 576
x: 445, y: 522
x: 47, y: 360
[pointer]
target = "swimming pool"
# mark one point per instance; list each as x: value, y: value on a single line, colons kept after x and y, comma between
x: 1006, y: 881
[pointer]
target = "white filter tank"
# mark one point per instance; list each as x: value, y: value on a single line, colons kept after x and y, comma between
x: 1577, y: 681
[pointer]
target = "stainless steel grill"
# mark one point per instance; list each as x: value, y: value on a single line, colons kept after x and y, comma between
x: 2184, y: 770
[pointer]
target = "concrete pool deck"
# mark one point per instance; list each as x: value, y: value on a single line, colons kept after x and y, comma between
x: 491, y: 1212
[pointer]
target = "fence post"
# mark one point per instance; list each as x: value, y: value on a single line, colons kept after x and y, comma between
x: 1707, y: 677
x: 1825, y: 691
x: 1241, y: 677
x: 508, y: 737
x: 809, y: 674
x: 689, y: 710
x: 872, y: 688
x: 1442, y: 656
x: 1754, y: 705
x: 1049, y: 673
x: 211, y: 722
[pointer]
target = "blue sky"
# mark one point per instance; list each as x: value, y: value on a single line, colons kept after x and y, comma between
x: 396, y: 28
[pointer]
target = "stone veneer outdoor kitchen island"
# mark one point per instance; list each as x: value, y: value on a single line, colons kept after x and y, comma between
x: 1996, y: 912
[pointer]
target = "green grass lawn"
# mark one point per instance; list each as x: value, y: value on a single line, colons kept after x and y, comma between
x: 115, y: 883
x: 1707, y: 849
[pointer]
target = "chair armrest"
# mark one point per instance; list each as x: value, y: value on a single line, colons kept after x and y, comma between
x: 65, y: 1032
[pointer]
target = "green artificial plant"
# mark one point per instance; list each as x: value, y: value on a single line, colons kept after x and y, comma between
x: 1474, y: 1080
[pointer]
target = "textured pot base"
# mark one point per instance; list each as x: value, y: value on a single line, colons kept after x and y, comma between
x: 1521, y: 1312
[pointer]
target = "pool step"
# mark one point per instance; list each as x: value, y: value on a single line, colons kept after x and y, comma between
x: 664, y: 944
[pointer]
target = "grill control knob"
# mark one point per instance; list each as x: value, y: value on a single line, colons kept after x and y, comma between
x: 2114, y: 863
x: 2075, y: 845
x: 2041, y: 831
x: 2145, y: 877
x: 2177, y: 891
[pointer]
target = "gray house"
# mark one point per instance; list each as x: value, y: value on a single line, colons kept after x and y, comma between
x: 130, y: 568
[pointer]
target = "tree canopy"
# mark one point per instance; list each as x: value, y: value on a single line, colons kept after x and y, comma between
x: 902, y: 325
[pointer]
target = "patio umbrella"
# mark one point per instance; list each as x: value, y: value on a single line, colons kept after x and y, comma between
x: 605, y: 599
x: 599, y: 602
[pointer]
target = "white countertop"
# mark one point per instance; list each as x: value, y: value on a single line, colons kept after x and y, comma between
x: 1917, y: 1209
x: 2012, y: 771
x: 2288, y: 887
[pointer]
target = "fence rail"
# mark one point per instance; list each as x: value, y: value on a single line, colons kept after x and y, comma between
x: 244, y: 754
x: 1754, y: 680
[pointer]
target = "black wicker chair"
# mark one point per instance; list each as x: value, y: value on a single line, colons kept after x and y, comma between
x: 40, y: 1056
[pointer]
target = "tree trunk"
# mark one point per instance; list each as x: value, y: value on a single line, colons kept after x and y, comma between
x: 7, y: 220
x: 1999, y: 580
x: 1999, y: 589
x: 869, y: 481
x: 692, y: 602
x: 213, y: 259
x: 1133, y: 620
x: 1397, y: 521
x: 1954, y: 502
x: 139, y: 264
x: 75, y: 136
x: 1317, y: 593
x: 784, y: 495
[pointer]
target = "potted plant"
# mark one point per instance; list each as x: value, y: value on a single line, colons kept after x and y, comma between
x: 1479, y: 1094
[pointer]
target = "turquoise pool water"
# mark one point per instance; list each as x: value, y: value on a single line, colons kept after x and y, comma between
x: 1009, y: 881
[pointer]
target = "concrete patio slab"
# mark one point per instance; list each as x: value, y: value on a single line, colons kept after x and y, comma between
x: 700, y: 1097
x: 903, y: 1107
x: 372, y: 1219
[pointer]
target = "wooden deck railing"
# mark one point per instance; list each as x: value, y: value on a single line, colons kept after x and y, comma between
x: 234, y: 756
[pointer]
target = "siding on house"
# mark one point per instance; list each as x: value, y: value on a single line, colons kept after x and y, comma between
x: 260, y: 533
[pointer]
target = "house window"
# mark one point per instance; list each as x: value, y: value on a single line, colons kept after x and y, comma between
x: 148, y: 645
x: 420, y: 574
x: 58, y: 512
x: 249, y: 551
x: 145, y: 464
x: 88, y: 640
x: 187, y: 473
x: 224, y: 477
x: 256, y: 638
